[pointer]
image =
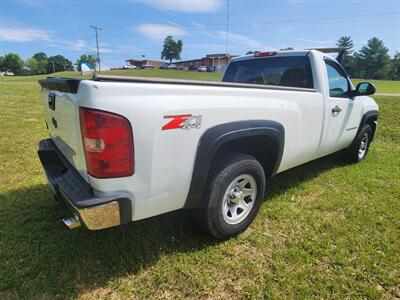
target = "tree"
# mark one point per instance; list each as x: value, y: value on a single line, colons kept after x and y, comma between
x: 60, y: 64
x: 347, y: 60
x: 172, y: 49
x: 33, y: 65
x: 86, y: 58
x: 42, y: 62
x: 40, y: 56
x: 12, y: 62
x: 345, y: 42
x: 373, y: 59
x: 395, y: 67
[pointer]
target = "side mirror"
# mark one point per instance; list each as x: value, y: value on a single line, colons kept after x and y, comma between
x: 364, y: 89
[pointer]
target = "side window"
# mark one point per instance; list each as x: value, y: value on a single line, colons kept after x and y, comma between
x: 337, y: 80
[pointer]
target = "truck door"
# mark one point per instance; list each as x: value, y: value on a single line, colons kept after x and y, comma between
x: 342, y: 109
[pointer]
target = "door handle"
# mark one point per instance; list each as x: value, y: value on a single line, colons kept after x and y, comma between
x: 336, y: 110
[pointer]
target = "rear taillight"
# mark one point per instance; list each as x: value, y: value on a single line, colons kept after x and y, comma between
x: 261, y: 54
x: 108, y: 143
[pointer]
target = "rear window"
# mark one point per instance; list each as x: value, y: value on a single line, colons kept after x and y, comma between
x: 292, y: 71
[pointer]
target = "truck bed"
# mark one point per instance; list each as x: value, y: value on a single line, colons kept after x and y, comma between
x: 71, y: 84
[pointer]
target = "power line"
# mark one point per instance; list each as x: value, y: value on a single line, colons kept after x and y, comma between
x: 96, y: 29
x: 350, y: 18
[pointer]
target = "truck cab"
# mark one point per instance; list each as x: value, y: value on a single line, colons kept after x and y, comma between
x: 336, y: 113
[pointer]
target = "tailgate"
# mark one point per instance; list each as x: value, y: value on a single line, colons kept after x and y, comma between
x: 61, y: 113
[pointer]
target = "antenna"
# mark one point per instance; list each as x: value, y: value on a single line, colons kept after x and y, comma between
x: 96, y: 29
x: 227, y: 25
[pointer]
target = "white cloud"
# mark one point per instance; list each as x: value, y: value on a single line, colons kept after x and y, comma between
x: 206, y: 47
x: 239, y: 39
x: 184, y: 5
x: 160, y: 31
x: 12, y: 31
x: 77, y: 45
x: 170, y: 22
x: 316, y: 42
x: 198, y: 25
x: 23, y: 34
x: 34, y: 3
x: 104, y: 50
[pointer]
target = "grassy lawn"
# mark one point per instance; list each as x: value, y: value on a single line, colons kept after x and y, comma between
x: 327, y: 230
x: 145, y: 73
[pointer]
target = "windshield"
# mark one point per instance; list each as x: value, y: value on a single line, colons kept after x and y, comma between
x: 292, y: 71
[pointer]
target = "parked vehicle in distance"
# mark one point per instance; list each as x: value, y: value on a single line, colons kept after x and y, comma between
x: 129, y: 67
x: 164, y: 66
x: 8, y: 73
x: 172, y: 67
x: 202, y: 69
x: 123, y: 149
x: 193, y: 67
x: 147, y: 66
x: 180, y: 68
x: 210, y: 69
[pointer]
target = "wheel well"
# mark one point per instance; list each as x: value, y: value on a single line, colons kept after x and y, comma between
x: 371, y: 121
x: 264, y: 148
x: 263, y: 139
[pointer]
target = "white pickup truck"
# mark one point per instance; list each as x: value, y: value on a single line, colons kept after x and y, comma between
x: 123, y: 149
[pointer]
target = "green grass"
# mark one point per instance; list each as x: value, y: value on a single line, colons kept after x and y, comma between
x: 214, y: 76
x: 35, y: 78
x: 145, y: 73
x: 327, y: 230
x: 382, y: 86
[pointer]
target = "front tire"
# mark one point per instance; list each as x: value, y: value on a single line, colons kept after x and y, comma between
x: 358, y: 150
x: 233, y: 195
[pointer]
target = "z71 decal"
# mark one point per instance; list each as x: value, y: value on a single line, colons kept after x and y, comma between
x: 187, y: 122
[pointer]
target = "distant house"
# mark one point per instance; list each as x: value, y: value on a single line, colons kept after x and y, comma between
x: 8, y: 73
x: 218, y: 61
x: 141, y: 63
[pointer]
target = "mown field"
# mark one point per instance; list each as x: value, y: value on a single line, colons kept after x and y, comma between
x: 326, y: 230
x: 145, y: 73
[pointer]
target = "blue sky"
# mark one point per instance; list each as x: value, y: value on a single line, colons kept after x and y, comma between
x: 133, y: 28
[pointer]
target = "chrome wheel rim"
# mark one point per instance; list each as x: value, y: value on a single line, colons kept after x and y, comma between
x: 363, y: 146
x: 239, y: 199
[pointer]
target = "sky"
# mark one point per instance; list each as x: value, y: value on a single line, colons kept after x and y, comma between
x: 136, y: 28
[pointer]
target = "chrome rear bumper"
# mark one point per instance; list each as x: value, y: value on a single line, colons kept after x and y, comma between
x: 95, y: 212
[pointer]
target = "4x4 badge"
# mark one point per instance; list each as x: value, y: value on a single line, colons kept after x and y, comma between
x: 186, y: 121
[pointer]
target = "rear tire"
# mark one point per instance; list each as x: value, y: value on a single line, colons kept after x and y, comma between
x: 234, y: 193
x: 358, y: 150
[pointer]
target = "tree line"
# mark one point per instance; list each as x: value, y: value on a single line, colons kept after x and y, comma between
x: 372, y: 61
x: 40, y: 63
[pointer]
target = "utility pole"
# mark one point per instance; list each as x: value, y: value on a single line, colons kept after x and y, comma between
x: 54, y: 70
x: 96, y: 29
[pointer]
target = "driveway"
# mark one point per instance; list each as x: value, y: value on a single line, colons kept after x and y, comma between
x: 387, y: 94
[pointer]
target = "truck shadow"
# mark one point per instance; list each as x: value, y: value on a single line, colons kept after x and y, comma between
x: 42, y: 255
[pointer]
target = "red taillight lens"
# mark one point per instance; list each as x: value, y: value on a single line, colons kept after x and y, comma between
x: 260, y: 54
x: 108, y: 143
